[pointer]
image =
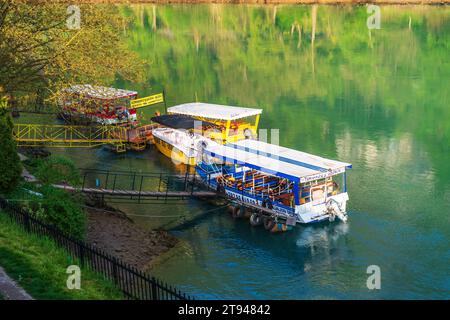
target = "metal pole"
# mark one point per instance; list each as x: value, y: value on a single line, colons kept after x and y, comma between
x: 134, y: 180
x: 140, y: 189
x: 164, y: 99
x: 84, y: 180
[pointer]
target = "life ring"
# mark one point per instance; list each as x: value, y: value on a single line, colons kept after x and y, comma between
x: 256, y: 219
x: 238, y: 212
x: 269, y: 223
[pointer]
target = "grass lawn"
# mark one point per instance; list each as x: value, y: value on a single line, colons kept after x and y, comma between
x: 39, y: 266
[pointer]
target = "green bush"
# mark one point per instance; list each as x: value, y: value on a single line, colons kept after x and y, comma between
x: 57, y: 169
x: 9, y: 159
x: 62, y: 210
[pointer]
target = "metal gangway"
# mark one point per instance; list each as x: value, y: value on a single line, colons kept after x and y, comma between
x: 140, y: 187
x: 70, y: 136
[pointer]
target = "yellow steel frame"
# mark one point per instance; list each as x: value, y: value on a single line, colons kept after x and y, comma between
x: 32, y: 135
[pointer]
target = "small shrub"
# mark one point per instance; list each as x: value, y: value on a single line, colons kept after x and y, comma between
x: 57, y: 169
x: 62, y: 210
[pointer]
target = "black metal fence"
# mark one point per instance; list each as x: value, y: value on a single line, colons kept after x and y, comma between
x: 134, y: 283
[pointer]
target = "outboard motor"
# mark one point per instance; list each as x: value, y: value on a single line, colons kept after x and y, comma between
x: 334, y: 210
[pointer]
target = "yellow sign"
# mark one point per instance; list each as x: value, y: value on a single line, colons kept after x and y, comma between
x: 3, y: 103
x: 147, y: 101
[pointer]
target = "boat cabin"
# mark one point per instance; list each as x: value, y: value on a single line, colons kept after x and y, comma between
x: 286, y: 181
x: 99, y: 104
x: 231, y: 123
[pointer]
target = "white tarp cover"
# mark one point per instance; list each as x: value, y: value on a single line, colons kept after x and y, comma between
x: 99, y: 92
x: 277, y: 160
x: 213, y: 111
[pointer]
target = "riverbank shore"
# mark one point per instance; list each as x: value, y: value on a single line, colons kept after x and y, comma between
x: 109, y: 229
x: 112, y: 231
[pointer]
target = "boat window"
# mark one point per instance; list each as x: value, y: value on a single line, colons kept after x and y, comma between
x: 259, y: 184
x: 318, y: 189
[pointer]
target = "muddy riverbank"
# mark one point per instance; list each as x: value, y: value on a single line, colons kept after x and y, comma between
x: 111, y: 231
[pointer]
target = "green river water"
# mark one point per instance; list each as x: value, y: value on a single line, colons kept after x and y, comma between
x: 378, y: 99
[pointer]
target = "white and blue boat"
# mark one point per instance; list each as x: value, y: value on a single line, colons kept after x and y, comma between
x: 275, y: 184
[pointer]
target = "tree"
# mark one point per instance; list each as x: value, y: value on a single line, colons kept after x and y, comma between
x: 40, y: 54
x: 11, y: 168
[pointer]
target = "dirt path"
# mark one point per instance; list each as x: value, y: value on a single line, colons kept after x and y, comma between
x: 10, y: 290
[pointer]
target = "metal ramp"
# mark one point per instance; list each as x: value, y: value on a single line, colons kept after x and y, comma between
x: 140, y: 188
x: 67, y: 136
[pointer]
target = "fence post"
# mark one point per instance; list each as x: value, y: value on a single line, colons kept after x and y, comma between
x: 186, y: 181
x: 193, y: 183
x: 81, y: 250
x: 140, y: 188
x: 114, y: 265
x: 26, y: 221
x: 84, y: 181
x: 154, y: 289
x: 134, y: 181
x: 107, y: 178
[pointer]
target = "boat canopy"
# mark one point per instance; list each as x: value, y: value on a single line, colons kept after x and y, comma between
x: 178, y: 121
x: 99, y: 92
x: 214, y: 111
x: 276, y: 160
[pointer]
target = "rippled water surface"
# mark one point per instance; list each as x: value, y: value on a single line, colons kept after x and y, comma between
x: 377, y: 99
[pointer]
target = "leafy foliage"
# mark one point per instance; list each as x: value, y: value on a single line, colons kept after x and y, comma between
x: 57, y: 169
x: 9, y: 159
x: 62, y: 210
x: 39, y: 54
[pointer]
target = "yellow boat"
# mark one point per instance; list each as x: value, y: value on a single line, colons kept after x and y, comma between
x: 188, y: 125
x: 231, y: 123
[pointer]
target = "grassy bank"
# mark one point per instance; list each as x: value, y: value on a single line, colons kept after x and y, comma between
x: 39, y: 266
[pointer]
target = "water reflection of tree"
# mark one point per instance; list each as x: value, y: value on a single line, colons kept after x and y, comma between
x: 248, y: 55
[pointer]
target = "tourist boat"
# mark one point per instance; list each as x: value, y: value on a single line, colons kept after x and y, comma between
x: 277, y: 185
x: 231, y: 123
x: 178, y: 136
x: 97, y: 104
x: 186, y: 125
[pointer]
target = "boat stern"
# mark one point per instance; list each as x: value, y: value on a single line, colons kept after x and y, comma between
x: 328, y: 209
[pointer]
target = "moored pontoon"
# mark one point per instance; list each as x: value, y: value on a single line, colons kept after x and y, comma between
x: 231, y: 123
x: 276, y: 183
x: 186, y: 125
x: 96, y: 104
x: 179, y: 136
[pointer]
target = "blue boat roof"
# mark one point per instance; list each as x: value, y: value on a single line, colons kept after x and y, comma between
x: 277, y: 160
